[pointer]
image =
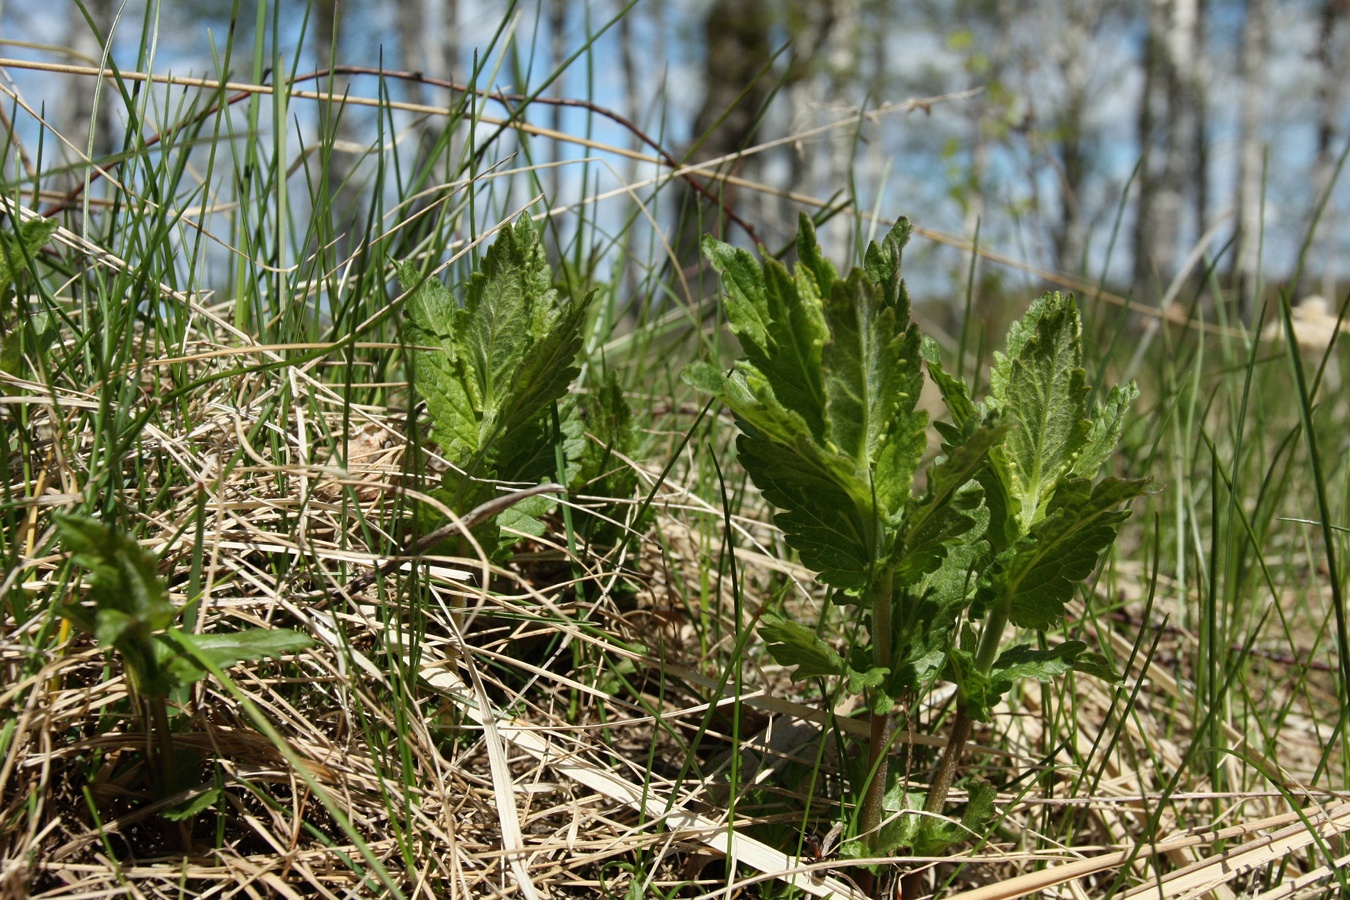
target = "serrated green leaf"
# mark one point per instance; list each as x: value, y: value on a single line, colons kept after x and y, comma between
x: 826, y: 401
x: 547, y: 370
x: 1107, y: 423
x: 1096, y: 665
x: 981, y: 692
x: 525, y: 517
x: 935, y: 835
x: 780, y: 325
x: 1040, y: 381
x: 31, y: 340
x: 881, y: 262
x: 131, y: 611
x: 866, y: 680
x: 1025, y: 661
x: 491, y: 371
x: 811, y: 263
x: 872, y: 382
x: 1064, y: 548
x: 493, y: 366
x: 954, y: 391
x: 919, y: 648
x: 820, y: 497
x: 979, y: 812
x: 943, y: 513
x: 17, y: 250
x: 439, y: 373
x: 125, y: 578
x: 793, y: 644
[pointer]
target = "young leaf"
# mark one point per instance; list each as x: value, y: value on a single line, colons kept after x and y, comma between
x: 609, y: 440
x: 1040, y: 381
x: 811, y: 263
x: 780, y: 325
x: 826, y: 402
x: 881, y: 262
x: 1107, y: 423
x: 131, y: 612
x: 793, y: 644
x: 935, y: 834
x: 983, y: 692
x: 129, y: 601
x: 872, y: 382
x: 939, y: 516
x: 225, y: 650
x: 823, y: 501
x: 1064, y: 548
x: 954, y: 391
x: 17, y: 249
x: 187, y: 811
x: 492, y: 367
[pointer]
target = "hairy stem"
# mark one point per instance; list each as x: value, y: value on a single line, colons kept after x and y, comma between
x: 951, y: 755
x: 961, y: 725
x: 879, y: 737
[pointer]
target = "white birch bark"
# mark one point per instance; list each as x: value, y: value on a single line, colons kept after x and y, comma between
x: 1253, y: 62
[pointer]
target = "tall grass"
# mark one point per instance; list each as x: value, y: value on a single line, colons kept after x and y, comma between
x: 227, y: 384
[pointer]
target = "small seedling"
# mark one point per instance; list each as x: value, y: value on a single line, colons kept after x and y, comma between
x: 22, y: 333
x: 1008, y: 523
x: 128, y: 609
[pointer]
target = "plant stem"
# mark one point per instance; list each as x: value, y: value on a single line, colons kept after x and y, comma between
x: 951, y: 755
x: 879, y: 737
x: 961, y: 724
x: 163, y: 765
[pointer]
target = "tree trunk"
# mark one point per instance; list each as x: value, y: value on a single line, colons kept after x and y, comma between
x: 78, y: 116
x: 429, y: 33
x: 1198, y: 88
x: 1333, y: 57
x: 340, y: 203
x: 557, y: 23
x: 737, y: 84
x: 1070, y: 233
x: 1171, y: 157
x: 1251, y: 154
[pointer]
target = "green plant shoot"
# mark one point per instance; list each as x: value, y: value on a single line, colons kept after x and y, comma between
x: 491, y: 369
x: 1006, y: 525
x: 128, y: 609
x: 26, y: 333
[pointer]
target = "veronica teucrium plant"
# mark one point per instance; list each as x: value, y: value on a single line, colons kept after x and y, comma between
x: 1004, y: 525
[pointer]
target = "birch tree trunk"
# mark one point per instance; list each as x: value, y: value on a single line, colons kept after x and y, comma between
x: 823, y: 82
x: 1069, y: 234
x: 557, y: 23
x: 339, y: 205
x: 1253, y: 62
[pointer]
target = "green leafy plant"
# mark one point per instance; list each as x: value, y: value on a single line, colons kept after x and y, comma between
x: 22, y: 334
x: 491, y: 370
x: 496, y: 372
x: 1008, y: 521
x: 128, y: 609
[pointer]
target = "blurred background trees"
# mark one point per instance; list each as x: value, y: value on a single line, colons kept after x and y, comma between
x: 1132, y: 142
